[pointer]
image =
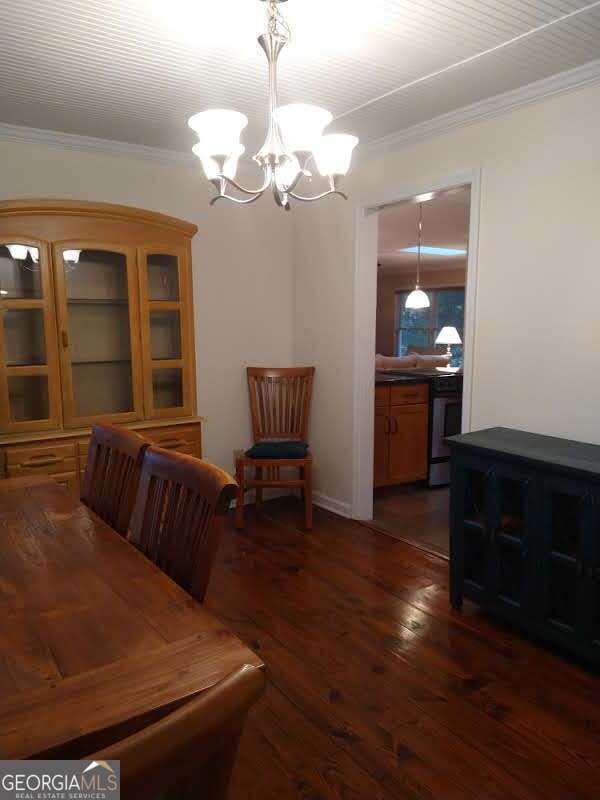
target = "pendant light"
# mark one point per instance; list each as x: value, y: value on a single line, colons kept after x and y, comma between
x: 418, y: 298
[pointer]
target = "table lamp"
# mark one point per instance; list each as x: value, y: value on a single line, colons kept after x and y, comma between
x: 448, y: 336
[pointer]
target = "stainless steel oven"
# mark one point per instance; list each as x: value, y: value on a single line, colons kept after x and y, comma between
x: 445, y: 420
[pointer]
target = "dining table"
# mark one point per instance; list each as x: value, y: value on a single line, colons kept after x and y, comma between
x: 95, y: 641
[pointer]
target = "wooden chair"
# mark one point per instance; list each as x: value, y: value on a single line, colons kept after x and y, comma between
x: 112, y: 474
x: 179, y: 515
x: 189, y: 754
x: 280, y: 408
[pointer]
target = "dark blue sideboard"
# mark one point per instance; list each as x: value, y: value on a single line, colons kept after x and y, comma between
x: 525, y: 533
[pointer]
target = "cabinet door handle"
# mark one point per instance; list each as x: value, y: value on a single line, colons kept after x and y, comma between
x: 42, y: 461
x: 64, y: 336
x: 395, y: 425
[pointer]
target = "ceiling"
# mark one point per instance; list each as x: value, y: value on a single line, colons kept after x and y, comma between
x: 135, y: 70
x: 445, y: 224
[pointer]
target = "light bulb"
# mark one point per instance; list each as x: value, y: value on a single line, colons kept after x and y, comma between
x: 333, y: 153
x: 301, y: 125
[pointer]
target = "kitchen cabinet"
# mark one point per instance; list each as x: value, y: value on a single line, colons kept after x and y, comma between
x: 401, y: 433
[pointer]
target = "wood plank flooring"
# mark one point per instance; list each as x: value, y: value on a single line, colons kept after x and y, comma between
x: 415, y: 514
x: 378, y: 690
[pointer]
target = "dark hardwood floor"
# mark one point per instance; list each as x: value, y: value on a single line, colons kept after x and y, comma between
x: 378, y: 690
x: 415, y: 514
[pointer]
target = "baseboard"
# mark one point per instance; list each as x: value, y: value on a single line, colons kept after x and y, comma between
x: 319, y: 499
x: 331, y: 504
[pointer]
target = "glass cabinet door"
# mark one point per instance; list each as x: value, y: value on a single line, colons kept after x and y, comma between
x: 166, y: 331
x: 29, y: 395
x: 99, y: 332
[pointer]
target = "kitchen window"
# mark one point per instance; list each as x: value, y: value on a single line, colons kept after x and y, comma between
x: 417, y: 329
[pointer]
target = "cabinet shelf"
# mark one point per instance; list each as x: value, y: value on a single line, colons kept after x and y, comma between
x: 97, y: 301
x: 102, y: 361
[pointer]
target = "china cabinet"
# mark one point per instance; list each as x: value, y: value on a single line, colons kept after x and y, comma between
x: 96, y: 323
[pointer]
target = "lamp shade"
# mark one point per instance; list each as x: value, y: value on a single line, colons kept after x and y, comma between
x: 333, y: 153
x: 417, y: 299
x: 286, y: 173
x: 211, y: 166
x: 301, y: 125
x: 448, y: 335
x: 18, y: 251
x: 219, y: 130
x: 72, y: 256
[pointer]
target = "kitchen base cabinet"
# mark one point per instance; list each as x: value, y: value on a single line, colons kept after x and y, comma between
x: 401, y: 434
x: 525, y: 533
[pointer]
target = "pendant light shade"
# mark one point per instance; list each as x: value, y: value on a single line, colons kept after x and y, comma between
x: 301, y: 125
x: 418, y: 298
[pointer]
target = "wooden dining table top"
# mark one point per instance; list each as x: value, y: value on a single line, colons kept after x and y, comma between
x: 95, y: 641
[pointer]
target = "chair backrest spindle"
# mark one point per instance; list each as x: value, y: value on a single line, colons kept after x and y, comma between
x: 112, y: 474
x: 280, y: 402
x: 179, y: 515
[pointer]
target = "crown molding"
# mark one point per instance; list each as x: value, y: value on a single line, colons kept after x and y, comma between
x: 21, y: 133
x: 492, y: 106
x: 561, y: 82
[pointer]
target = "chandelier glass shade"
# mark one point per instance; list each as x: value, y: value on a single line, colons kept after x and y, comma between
x: 294, y: 138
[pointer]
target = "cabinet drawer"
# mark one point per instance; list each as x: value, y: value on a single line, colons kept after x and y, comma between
x: 180, y: 438
x: 49, y: 460
x: 382, y: 396
x: 409, y: 395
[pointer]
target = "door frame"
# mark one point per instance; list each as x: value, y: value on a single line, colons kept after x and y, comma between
x: 365, y: 316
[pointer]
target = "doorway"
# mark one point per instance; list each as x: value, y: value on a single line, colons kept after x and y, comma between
x: 411, y: 500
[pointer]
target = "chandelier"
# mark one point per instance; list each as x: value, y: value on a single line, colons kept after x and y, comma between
x: 294, y: 138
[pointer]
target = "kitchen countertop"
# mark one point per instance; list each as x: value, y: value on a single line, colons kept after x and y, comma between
x: 381, y: 378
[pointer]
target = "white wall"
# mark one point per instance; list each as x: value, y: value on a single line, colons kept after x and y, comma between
x: 242, y: 275
x: 538, y: 324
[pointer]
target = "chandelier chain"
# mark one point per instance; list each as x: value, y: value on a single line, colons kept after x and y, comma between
x: 276, y: 21
x: 420, y: 243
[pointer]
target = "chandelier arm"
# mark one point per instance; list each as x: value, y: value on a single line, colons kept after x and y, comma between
x: 235, y: 199
x: 243, y: 189
x: 304, y: 199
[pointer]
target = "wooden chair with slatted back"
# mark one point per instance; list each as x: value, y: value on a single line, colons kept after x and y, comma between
x: 280, y: 409
x: 189, y: 753
x: 179, y: 515
x: 112, y: 474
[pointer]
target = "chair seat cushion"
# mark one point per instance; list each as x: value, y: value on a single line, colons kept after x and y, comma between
x: 278, y: 450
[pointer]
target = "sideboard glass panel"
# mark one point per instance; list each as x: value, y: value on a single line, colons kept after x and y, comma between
x: 20, y: 276
x: 163, y: 277
x: 567, y: 521
x: 99, y: 332
x: 512, y: 494
x: 28, y: 397
x: 165, y: 335
x: 167, y: 387
x: 24, y: 337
